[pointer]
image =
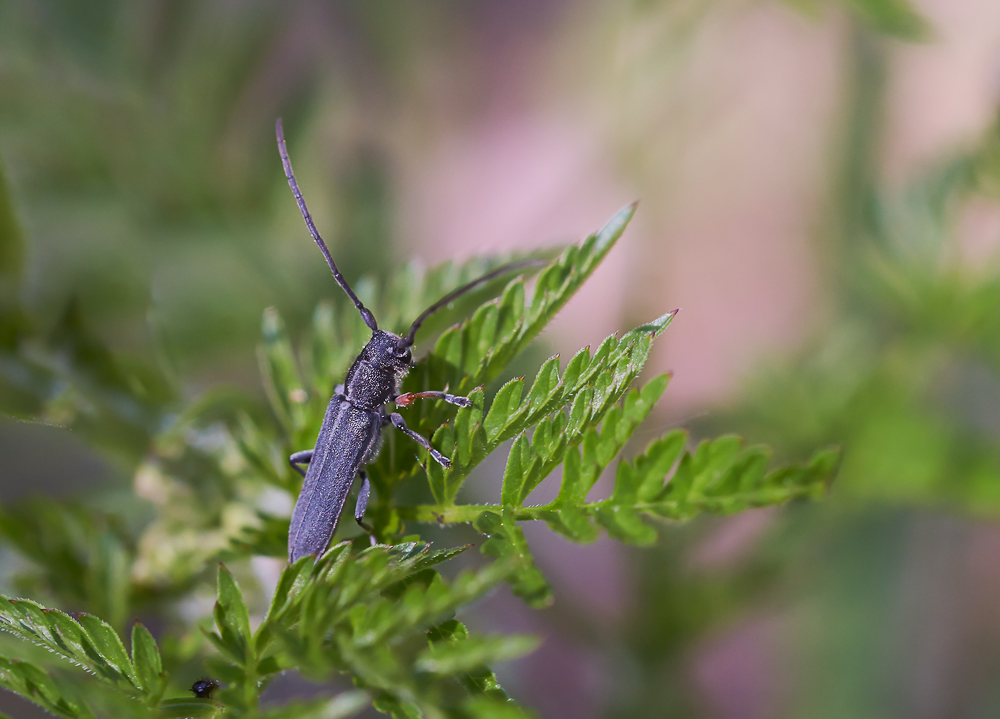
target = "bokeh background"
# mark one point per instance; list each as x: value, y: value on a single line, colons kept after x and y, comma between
x: 819, y: 192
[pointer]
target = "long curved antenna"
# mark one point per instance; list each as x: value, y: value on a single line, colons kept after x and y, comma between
x: 411, y: 335
x: 366, y: 314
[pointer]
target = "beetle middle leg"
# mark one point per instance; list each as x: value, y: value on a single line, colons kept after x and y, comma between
x: 303, y: 457
x: 399, y: 423
x: 359, y: 509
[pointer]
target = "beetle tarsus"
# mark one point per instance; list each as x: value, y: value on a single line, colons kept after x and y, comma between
x: 441, y: 459
x: 399, y: 423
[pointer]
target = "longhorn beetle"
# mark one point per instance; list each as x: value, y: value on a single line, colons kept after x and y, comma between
x: 351, y: 430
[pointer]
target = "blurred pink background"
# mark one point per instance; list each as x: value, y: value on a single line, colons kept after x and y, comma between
x: 724, y: 135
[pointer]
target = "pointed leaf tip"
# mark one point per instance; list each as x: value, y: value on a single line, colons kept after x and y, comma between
x: 657, y: 326
x: 614, y: 227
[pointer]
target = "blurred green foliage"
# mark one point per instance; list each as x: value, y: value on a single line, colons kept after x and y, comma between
x: 907, y: 374
x: 142, y: 135
x: 906, y: 377
x: 894, y: 18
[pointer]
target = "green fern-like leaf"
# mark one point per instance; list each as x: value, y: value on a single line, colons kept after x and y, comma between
x: 383, y: 614
x: 147, y: 663
x: 507, y: 541
x: 579, y: 417
x: 360, y: 612
x: 34, y: 683
x: 84, y: 640
x: 344, y: 705
x: 89, y: 647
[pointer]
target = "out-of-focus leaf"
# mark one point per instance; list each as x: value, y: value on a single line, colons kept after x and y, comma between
x: 78, y: 555
x: 491, y: 708
x: 88, y: 642
x: 283, y: 381
x: 479, y: 679
x: 34, y: 683
x: 232, y: 620
x: 13, y: 323
x: 116, y: 405
x: 895, y: 18
x: 468, y: 654
x: 507, y: 540
x: 147, y: 662
x: 189, y: 708
x: 267, y: 538
x: 345, y: 704
x: 346, y: 610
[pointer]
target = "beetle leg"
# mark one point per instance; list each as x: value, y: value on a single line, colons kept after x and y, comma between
x: 303, y: 457
x: 362, y: 505
x: 363, y: 494
x: 407, y: 398
x: 399, y: 423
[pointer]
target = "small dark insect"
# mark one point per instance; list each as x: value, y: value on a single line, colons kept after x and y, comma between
x: 203, y: 688
x: 351, y: 430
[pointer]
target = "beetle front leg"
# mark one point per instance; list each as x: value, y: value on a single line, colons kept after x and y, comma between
x: 399, y: 423
x: 303, y: 457
x: 406, y: 399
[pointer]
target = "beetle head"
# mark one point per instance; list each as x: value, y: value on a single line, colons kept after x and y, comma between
x: 384, y: 352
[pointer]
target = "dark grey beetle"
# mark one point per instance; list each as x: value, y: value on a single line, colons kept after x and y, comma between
x: 352, y: 427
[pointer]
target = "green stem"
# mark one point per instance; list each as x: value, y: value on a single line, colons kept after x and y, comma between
x: 448, y: 514
x: 467, y: 513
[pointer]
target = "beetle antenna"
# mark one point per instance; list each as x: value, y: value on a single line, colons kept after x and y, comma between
x: 410, y: 336
x: 366, y: 315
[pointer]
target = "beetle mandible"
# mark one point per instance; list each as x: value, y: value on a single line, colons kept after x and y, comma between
x: 351, y: 430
